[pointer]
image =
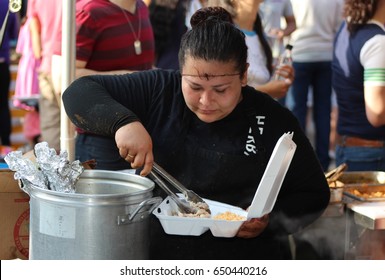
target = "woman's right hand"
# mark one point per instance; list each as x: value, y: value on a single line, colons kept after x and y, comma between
x: 135, y: 146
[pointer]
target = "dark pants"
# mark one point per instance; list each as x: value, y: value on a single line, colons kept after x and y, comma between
x: 318, y: 76
x: 5, y: 115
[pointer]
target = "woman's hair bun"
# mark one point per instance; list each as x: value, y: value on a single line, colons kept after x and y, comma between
x: 210, y: 13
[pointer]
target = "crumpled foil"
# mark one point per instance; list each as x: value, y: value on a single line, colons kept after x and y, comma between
x: 50, y: 171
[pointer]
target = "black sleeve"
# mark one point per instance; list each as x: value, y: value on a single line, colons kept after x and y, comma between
x: 304, y: 194
x: 101, y: 104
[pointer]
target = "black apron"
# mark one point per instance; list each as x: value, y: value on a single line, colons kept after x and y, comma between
x: 192, y: 159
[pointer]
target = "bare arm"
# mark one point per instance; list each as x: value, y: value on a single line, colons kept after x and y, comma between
x: 276, y: 89
x: 147, y: 2
x: 290, y: 25
x: 279, y: 88
x: 34, y: 28
x: 82, y: 71
x: 375, y: 104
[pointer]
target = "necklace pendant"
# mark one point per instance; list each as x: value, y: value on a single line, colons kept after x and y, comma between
x: 138, y: 47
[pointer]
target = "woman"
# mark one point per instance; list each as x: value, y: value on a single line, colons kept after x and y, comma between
x: 317, y: 24
x: 359, y: 82
x: 210, y: 131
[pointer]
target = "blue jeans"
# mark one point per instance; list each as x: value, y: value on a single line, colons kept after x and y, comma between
x: 316, y: 75
x: 102, y: 149
x: 361, y: 158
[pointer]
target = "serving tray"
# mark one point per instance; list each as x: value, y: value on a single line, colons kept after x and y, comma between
x: 359, y: 178
x: 366, y: 192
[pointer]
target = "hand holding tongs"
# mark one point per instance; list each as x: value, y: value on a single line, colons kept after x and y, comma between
x: 158, y: 174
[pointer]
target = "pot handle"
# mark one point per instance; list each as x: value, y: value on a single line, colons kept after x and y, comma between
x: 126, y: 219
x: 23, y: 187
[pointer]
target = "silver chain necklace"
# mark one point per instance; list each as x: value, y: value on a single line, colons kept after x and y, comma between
x: 137, y: 43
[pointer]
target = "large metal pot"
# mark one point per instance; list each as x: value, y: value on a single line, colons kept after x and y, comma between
x: 107, y: 218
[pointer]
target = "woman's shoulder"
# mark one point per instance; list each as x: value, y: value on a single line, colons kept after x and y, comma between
x: 262, y: 103
x: 160, y: 76
x: 259, y: 97
x: 157, y: 82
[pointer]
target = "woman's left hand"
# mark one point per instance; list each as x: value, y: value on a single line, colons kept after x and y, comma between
x: 253, y: 227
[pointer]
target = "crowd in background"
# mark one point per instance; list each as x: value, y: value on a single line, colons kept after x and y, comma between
x: 115, y: 37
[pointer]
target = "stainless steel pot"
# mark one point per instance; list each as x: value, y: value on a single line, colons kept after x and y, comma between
x: 107, y: 218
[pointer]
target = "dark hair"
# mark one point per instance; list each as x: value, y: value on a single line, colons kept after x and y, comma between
x: 214, y: 37
x: 358, y: 12
x: 258, y: 28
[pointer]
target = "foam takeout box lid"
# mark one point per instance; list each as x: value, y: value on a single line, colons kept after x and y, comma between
x: 270, y: 184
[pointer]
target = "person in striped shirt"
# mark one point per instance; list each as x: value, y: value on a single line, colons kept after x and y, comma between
x: 359, y: 82
x: 112, y: 37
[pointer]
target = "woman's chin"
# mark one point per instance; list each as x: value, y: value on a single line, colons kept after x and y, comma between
x: 209, y: 118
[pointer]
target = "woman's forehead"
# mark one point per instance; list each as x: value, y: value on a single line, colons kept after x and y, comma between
x: 207, y: 69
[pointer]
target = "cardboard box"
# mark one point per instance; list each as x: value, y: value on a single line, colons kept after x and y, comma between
x: 14, y: 218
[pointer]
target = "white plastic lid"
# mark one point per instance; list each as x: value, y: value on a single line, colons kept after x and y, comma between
x: 270, y: 184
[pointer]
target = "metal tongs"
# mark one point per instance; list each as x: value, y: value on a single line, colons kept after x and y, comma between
x: 334, y: 174
x: 158, y: 174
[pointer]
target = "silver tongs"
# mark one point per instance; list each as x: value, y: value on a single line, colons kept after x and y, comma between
x: 158, y: 174
x: 334, y: 174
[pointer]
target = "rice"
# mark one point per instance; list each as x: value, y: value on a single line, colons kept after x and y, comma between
x: 229, y: 216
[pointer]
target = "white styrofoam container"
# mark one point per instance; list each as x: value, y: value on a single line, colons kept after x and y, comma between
x: 263, y: 201
x: 271, y: 182
x: 176, y: 225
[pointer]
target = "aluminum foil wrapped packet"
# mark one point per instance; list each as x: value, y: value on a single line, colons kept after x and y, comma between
x: 50, y: 171
x: 27, y: 171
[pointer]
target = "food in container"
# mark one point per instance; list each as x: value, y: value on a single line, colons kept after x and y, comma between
x: 364, y: 185
x: 229, y: 216
x: 336, y: 186
x: 174, y: 224
x: 366, y: 192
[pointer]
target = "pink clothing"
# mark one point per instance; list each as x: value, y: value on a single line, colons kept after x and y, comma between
x: 31, y: 128
x: 49, y: 14
x: 27, y: 84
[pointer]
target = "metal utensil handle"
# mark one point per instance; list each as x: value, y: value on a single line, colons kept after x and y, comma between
x: 129, y: 218
x: 185, y: 208
x: 161, y: 184
x: 178, y: 185
x: 337, y: 172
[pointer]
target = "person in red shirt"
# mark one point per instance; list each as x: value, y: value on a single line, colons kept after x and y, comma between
x: 112, y: 37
